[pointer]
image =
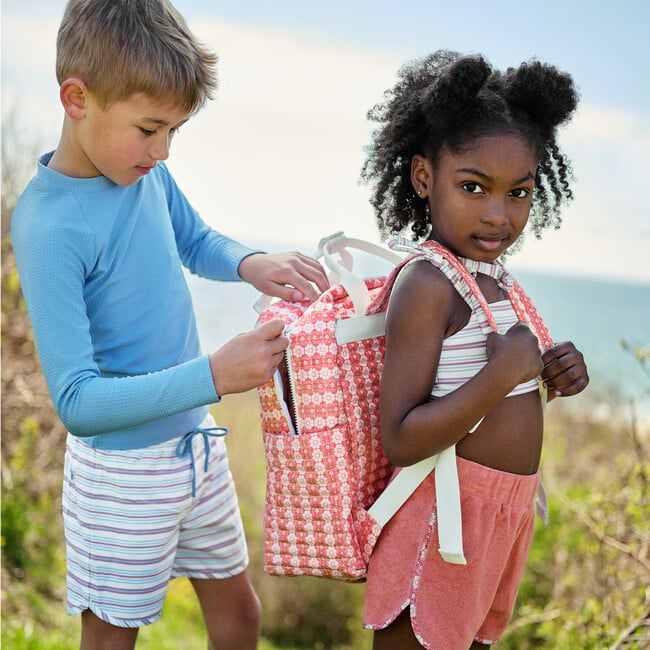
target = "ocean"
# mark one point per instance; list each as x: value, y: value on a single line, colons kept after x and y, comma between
x: 597, y: 315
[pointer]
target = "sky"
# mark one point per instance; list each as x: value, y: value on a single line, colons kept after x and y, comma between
x: 276, y: 157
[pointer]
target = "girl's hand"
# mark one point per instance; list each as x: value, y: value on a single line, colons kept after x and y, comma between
x: 518, y: 349
x: 248, y: 360
x: 565, y: 372
x: 285, y: 275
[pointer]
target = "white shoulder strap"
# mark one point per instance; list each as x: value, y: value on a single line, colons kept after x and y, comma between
x: 407, y: 480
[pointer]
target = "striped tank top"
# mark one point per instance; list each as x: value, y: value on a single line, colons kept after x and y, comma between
x: 464, y: 353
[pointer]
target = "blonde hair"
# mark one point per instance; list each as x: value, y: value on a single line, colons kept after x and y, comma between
x: 122, y: 47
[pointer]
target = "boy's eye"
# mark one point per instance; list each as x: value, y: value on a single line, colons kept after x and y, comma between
x: 146, y: 131
x: 520, y: 193
x: 472, y: 188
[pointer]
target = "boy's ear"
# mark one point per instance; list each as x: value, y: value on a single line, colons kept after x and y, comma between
x: 74, y: 96
x: 421, y: 175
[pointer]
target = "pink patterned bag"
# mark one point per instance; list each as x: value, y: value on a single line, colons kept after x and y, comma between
x: 320, y: 424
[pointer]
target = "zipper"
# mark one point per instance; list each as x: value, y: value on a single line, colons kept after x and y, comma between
x: 291, y: 409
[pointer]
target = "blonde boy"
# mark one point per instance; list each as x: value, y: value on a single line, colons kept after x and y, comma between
x: 100, y: 236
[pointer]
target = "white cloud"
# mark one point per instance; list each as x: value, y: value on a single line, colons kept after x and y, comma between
x: 28, y: 43
x: 607, y: 125
x: 278, y: 155
x: 282, y: 72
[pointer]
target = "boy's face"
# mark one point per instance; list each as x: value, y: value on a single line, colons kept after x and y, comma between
x: 125, y: 140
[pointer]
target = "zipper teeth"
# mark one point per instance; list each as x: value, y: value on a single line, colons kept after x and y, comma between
x: 292, y: 390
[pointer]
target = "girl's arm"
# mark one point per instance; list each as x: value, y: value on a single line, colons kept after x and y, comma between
x: 424, y: 308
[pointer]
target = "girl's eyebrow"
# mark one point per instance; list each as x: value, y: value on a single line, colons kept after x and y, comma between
x: 470, y: 170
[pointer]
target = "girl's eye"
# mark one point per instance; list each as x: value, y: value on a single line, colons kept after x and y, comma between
x: 520, y: 193
x: 472, y: 188
x: 146, y: 131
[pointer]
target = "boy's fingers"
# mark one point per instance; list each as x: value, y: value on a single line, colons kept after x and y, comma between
x: 271, y: 329
x: 316, y: 274
x: 307, y: 273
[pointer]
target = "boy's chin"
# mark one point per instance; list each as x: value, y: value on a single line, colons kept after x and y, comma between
x: 124, y: 180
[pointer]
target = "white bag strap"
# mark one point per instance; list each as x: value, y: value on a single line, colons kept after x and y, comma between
x: 400, y: 489
x: 450, y: 525
x: 341, y: 268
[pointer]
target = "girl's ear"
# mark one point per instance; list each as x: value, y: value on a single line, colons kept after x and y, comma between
x: 421, y: 175
x: 74, y: 97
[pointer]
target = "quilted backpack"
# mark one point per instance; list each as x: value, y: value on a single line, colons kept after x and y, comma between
x: 329, y: 487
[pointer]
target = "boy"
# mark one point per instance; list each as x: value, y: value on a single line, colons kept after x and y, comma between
x: 100, y: 236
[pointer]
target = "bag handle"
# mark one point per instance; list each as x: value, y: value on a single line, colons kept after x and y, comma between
x: 341, y: 268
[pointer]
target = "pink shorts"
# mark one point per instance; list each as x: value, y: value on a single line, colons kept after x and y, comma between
x: 453, y: 605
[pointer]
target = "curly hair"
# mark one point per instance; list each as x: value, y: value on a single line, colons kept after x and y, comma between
x: 444, y: 101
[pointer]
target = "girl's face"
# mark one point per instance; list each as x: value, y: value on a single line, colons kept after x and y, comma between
x: 479, y: 199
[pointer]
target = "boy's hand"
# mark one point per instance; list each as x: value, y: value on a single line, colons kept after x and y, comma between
x: 565, y: 372
x: 248, y: 360
x: 284, y: 275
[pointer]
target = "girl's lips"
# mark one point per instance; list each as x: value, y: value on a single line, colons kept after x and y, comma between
x: 491, y: 244
x: 143, y: 170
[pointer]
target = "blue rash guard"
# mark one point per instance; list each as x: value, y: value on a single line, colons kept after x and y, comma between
x: 101, y: 271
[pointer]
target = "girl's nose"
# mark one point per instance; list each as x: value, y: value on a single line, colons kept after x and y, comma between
x: 495, y: 213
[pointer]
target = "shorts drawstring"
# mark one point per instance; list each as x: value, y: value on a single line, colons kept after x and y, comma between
x: 184, y: 447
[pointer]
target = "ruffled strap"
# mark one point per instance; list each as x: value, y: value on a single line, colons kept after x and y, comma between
x: 461, y: 272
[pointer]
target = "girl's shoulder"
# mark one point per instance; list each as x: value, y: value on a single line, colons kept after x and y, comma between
x: 420, y: 287
x: 422, y: 291
x: 421, y: 279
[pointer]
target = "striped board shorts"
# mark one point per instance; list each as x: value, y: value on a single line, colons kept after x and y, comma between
x: 134, y: 519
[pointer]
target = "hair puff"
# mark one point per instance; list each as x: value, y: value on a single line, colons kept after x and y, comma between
x: 542, y: 91
x: 457, y: 86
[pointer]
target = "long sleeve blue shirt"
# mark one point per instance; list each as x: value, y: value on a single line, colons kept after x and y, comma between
x: 101, y: 271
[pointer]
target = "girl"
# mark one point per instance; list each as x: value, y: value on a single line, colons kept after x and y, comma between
x: 467, y: 156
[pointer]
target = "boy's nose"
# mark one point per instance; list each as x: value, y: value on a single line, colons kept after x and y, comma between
x: 160, y: 151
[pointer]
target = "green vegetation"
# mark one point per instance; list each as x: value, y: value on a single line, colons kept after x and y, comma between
x: 586, y: 585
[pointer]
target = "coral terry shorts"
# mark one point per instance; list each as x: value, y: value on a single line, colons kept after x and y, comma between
x: 452, y: 605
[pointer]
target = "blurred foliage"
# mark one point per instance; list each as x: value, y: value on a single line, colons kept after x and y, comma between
x: 640, y: 352
x: 586, y: 585
x: 587, y: 582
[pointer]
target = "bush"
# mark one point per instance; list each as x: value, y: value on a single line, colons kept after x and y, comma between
x: 587, y: 580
